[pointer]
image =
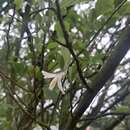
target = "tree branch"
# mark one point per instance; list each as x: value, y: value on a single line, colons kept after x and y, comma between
x: 101, y: 78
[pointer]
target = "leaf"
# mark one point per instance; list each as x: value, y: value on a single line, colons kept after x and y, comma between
x: 66, y: 55
x: 67, y: 25
x: 30, y: 70
x: 97, y: 59
x: 19, y: 68
x: 51, y: 94
x: 22, y: 82
x: 18, y: 3
x: 60, y: 60
x: 68, y: 3
x: 117, y: 2
x: 38, y: 73
x: 104, y: 7
x: 73, y: 71
x: 4, y: 108
x: 122, y: 109
x: 4, y: 123
x: 72, y: 18
x: 52, y: 45
x: 125, y: 9
x: 80, y: 46
x: 65, y: 104
x: 52, y: 66
x: 59, y: 32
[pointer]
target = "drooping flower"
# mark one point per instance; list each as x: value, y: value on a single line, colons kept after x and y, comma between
x: 56, y: 79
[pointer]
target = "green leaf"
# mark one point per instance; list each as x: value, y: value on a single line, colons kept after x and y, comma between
x: 60, y: 60
x: 38, y: 73
x: 51, y: 94
x: 64, y: 109
x: 122, y: 109
x: 67, y: 25
x: 104, y: 7
x: 4, y: 108
x: 80, y: 45
x: 30, y: 70
x: 4, y: 124
x: 72, y: 18
x: 52, y: 66
x: 117, y: 2
x: 59, y: 33
x: 52, y: 45
x: 22, y: 82
x: 67, y: 3
x: 18, y: 3
x: 19, y: 67
x: 73, y: 71
x: 97, y: 59
x: 66, y: 55
x: 125, y: 9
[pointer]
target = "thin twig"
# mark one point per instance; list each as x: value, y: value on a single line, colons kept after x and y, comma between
x: 40, y: 10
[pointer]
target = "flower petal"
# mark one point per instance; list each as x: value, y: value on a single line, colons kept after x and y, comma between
x: 53, y: 83
x: 48, y: 75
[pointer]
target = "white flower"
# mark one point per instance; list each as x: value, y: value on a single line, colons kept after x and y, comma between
x: 56, y: 79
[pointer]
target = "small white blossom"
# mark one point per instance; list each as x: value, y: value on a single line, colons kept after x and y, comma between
x: 56, y: 79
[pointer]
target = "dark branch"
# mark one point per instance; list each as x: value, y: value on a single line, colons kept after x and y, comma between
x: 101, y: 78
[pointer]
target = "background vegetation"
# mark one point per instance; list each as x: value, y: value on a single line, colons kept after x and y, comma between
x: 87, y: 42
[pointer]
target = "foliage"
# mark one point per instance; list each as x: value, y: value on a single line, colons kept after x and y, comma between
x: 61, y: 36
